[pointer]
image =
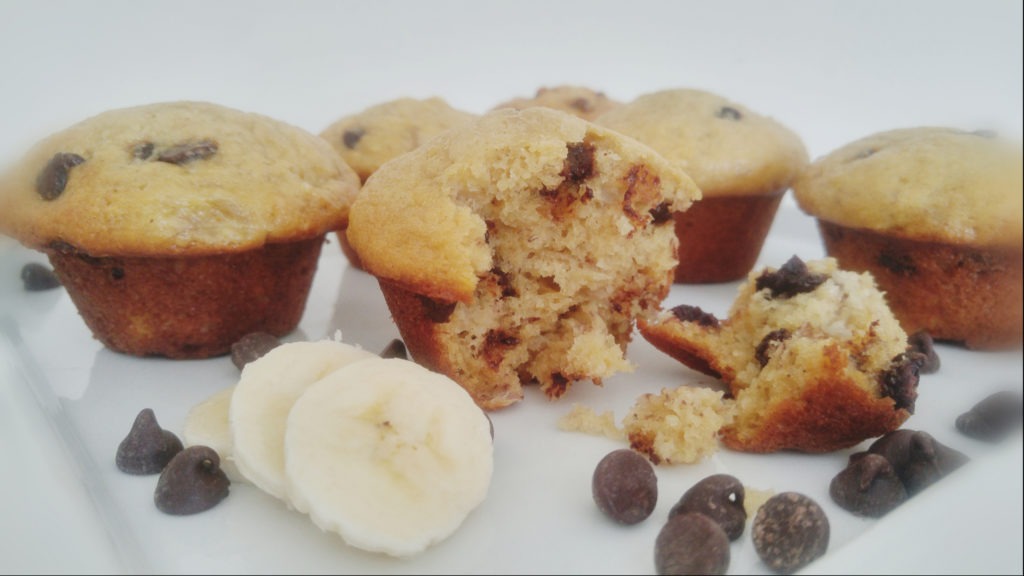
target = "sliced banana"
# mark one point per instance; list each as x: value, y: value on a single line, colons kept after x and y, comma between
x: 388, y: 454
x: 264, y: 395
x: 206, y: 424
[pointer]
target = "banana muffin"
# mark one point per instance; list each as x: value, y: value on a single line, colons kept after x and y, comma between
x: 580, y: 101
x: 935, y: 215
x: 520, y: 248
x: 743, y: 163
x: 179, y: 227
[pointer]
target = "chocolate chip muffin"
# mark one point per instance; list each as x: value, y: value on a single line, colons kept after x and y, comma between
x: 742, y: 161
x: 371, y: 137
x: 179, y: 227
x: 520, y: 247
x: 813, y: 357
x: 935, y: 215
x: 579, y: 101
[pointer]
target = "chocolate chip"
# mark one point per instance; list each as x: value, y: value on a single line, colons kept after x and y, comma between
x: 504, y: 282
x: 142, y: 150
x: 661, y: 214
x: 579, y: 162
x: 900, y: 380
x: 54, y: 178
x: 865, y: 153
x: 868, y: 486
x: 918, y: 458
x: 395, y: 349
x: 691, y: 543
x: 768, y: 344
x: 148, y: 447
x: 192, y: 482
x: 719, y: 497
x: 922, y: 343
x: 790, y: 530
x: 986, y: 133
x: 994, y: 417
x: 582, y: 104
x: 791, y: 279
x: 188, y: 152
x: 437, y: 311
x: 251, y: 347
x: 352, y: 137
x: 625, y: 487
x: 117, y: 273
x: 687, y: 313
x: 898, y: 263
x: 729, y: 113
x: 37, y: 277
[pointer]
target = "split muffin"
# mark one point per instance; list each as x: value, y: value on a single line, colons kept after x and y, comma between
x: 520, y: 248
x: 935, y: 214
x: 742, y: 161
x: 179, y: 227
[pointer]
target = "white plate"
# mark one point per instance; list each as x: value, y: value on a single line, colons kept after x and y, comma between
x: 539, y: 516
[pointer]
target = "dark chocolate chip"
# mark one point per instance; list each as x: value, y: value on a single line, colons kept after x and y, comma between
x: 505, y: 283
x: 148, y: 447
x: 868, y: 486
x: 251, y: 347
x: 352, y: 137
x: 395, y: 349
x: 142, y: 150
x: 117, y: 273
x: 579, y: 162
x: 918, y: 458
x: 53, y: 179
x: 625, y: 487
x: 900, y: 380
x: 188, y: 152
x: 192, y: 482
x: 986, y: 133
x: 865, y: 153
x: 661, y: 214
x: 768, y: 344
x: 37, y: 277
x: 729, y: 113
x: 691, y: 543
x: 994, y: 417
x: 687, y: 313
x: 898, y: 263
x: 582, y: 104
x: 791, y: 279
x: 790, y: 530
x: 922, y: 343
x: 437, y: 311
x: 719, y: 497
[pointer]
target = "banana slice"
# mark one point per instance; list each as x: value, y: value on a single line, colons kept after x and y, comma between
x: 206, y: 424
x: 263, y: 397
x: 388, y: 454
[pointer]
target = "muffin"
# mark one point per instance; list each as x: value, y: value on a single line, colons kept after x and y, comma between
x: 369, y: 138
x: 742, y: 161
x: 520, y: 248
x: 579, y: 101
x: 935, y: 215
x: 813, y: 357
x: 179, y: 227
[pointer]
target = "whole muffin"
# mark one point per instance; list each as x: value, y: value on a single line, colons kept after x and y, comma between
x: 579, y: 101
x: 743, y: 163
x: 179, y: 227
x: 812, y: 355
x: 520, y: 247
x: 935, y: 215
x: 371, y: 137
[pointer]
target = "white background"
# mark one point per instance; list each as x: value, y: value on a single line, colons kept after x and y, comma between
x: 832, y: 71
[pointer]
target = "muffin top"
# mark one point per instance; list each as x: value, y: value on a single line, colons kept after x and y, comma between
x: 421, y: 219
x: 927, y: 183
x: 175, y: 178
x: 379, y: 133
x: 728, y: 149
x: 579, y: 101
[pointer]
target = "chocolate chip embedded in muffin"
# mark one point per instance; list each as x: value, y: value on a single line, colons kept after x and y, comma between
x: 350, y: 138
x: 579, y: 162
x: 192, y: 482
x: 790, y: 530
x: 729, y: 113
x: 899, y: 382
x: 868, y: 486
x: 770, y: 341
x: 691, y: 543
x: 625, y: 487
x: 188, y: 152
x: 719, y: 497
x: 53, y: 179
x: 147, y: 448
x: 790, y: 279
x: 994, y: 417
x: 688, y: 313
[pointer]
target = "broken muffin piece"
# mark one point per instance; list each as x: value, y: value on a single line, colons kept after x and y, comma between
x: 813, y: 357
x: 520, y: 248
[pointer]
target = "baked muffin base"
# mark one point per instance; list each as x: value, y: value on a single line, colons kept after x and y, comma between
x: 720, y: 237
x: 189, y: 307
x: 962, y: 294
x: 348, y: 251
